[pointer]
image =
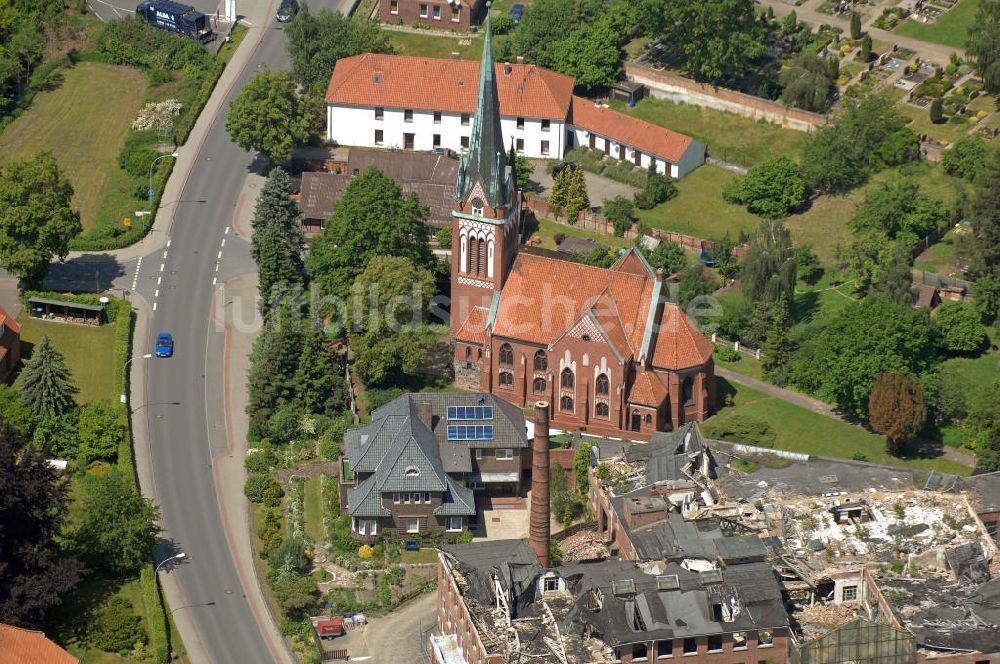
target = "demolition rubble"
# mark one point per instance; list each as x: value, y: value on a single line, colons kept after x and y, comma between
x: 721, y: 553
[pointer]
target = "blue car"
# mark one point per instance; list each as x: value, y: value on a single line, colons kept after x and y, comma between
x: 164, y: 345
x: 516, y: 12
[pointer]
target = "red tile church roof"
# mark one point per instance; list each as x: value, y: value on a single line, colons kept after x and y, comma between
x: 474, y: 327
x: 647, y: 390
x: 678, y: 343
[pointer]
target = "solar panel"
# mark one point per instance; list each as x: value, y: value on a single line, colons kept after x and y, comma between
x: 470, y: 432
x: 456, y: 413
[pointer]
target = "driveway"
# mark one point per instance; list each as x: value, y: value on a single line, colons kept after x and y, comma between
x: 401, y: 637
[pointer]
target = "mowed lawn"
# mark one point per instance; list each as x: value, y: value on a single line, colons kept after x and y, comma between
x: 801, y: 430
x: 951, y: 29
x: 729, y: 137
x: 467, y: 46
x: 83, y: 123
x: 89, y: 353
x: 698, y: 208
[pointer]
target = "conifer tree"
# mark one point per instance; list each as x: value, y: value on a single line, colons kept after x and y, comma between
x: 46, y: 383
x: 896, y: 410
x: 560, y: 189
x: 274, y: 361
x: 577, y: 199
x: 278, y: 266
x: 855, y: 26
x: 777, y: 348
x: 319, y: 382
x: 275, y: 206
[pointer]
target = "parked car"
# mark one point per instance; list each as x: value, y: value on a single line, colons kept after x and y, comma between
x: 516, y: 12
x: 560, y: 167
x: 164, y: 345
x: 287, y: 10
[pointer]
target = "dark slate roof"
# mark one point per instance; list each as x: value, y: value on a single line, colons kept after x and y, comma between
x: 412, y: 463
x: 406, y: 166
x: 319, y: 192
x: 456, y: 501
x: 675, y: 539
x: 578, y: 245
x: 513, y: 560
x: 508, y: 419
x: 487, y: 160
x: 365, y: 500
x: 987, y: 490
x: 732, y: 549
x: 667, y: 453
x: 685, y: 611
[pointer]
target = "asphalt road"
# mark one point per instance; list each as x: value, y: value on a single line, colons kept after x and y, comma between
x: 184, y: 394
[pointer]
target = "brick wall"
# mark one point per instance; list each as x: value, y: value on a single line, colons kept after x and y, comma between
x: 684, y: 90
x: 453, y: 618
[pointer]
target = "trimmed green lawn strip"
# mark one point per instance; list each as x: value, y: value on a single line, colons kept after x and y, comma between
x: 89, y: 353
x: 951, y: 29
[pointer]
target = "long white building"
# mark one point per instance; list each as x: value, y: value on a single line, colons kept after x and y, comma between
x: 410, y: 103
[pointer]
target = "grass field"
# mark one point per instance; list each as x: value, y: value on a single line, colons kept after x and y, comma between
x: 83, y: 123
x: 89, y: 353
x: 547, y: 230
x: 939, y: 257
x: 951, y: 29
x: 698, y: 208
x: 920, y: 122
x: 801, y: 430
x: 428, y: 45
x: 729, y: 137
x: 314, y: 512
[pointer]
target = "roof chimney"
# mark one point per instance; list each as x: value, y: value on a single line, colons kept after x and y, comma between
x: 507, y: 69
x: 538, y: 529
x: 520, y: 59
x: 425, y: 413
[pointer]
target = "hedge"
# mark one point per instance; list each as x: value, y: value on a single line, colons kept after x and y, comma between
x: 159, y: 639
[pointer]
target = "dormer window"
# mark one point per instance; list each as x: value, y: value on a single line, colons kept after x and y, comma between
x: 411, y: 471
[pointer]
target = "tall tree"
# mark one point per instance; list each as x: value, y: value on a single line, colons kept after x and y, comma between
x: 36, y: 220
x: 102, y: 428
x: 317, y: 41
x: 275, y: 205
x: 768, y: 273
x: 391, y: 293
x: 900, y: 211
x: 840, y: 360
x: 118, y: 529
x: 274, y: 362
x: 896, y: 410
x: 279, y: 267
x: 718, y: 40
x: 807, y: 83
x: 269, y: 116
x: 577, y: 199
x: 372, y: 218
x: 591, y: 53
x: 668, y: 256
x: 319, y: 382
x: 772, y: 188
x: 983, y: 45
x: 855, y: 26
x: 34, y: 574
x: 985, y: 215
x: 777, y: 348
x: 960, y: 328
x: 46, y: 384
x: 546, y: 23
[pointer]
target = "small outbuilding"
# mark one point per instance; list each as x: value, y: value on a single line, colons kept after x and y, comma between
x: 66, y: 312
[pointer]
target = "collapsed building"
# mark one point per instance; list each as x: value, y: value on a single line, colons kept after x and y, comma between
x: 731, y: 554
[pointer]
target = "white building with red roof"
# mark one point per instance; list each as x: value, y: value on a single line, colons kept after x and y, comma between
x: 605, y: 347
x: 413, y: 103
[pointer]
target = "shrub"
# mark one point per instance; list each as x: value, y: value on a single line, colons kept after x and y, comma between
x: 116, y: 627
x: 620, y: 212
x: 260, y: 462
x: 365, y: 551
x: 742, y: 429
x: 559, y: 237
x: 256, y: 486
x: 380, y: 396
x: 137, y: 156
x: 728, y: 354
x: 959, y: 327
x: 443, y: 237
x: 964, y: 157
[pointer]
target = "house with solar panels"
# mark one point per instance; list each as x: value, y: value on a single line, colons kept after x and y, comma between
x: 425, y: 460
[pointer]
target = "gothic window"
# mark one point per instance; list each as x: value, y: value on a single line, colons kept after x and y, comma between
x: 566, y: 404
x: 687, y: 391
x: 567, y: 379
x: 636, y: 421
x: 603, y: 385
x: 506, y: 355
x: 506, y: 379
x: 541, y: 361
x: 538, y: 385
x: 602, y: 410
x: 472, y: 255
x: 481, y: 264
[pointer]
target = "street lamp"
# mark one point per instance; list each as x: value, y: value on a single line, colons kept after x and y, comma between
x: 157, y: 569
x: 162, y: 156
x: 124, y: 397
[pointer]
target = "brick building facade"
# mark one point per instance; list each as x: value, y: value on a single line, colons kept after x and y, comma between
x: 603, y: 346
x: 440, y: 14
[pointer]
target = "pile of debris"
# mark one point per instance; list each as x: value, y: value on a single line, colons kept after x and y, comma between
x: 817, y: 619
x: 584, y: 545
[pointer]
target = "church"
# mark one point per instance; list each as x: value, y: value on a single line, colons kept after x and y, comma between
x: 604, y: 346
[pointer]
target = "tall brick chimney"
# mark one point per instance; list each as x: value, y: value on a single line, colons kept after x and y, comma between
x: 538, y: 528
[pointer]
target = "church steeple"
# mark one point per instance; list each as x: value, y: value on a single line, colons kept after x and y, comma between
x: 486, y: 161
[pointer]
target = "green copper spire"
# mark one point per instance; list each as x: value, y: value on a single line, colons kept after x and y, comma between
x: 486, y: 161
